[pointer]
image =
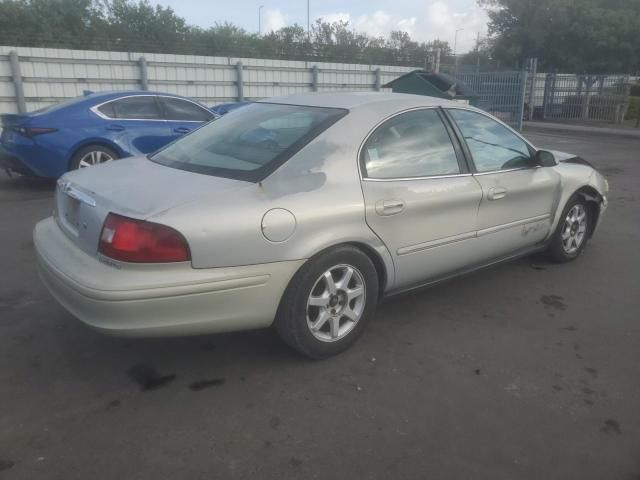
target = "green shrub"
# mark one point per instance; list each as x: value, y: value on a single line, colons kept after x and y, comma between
x: 634, y: 108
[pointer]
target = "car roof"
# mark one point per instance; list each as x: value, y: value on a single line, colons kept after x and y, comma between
x: 125, y: 93
x: 351, y: 100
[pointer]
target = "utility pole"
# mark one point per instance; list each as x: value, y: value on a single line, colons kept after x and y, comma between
x: 455, y: 51
x: 260, y: 20
x: 478, y: 52
x: 308, y: 22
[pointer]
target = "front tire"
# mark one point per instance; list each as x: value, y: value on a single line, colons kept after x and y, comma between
x: 92, y: 155
x: 328, y: 303
x: 572, y: 232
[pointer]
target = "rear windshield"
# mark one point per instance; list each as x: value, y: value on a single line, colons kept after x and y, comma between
x: 58, y: 106
x: 251, y: 143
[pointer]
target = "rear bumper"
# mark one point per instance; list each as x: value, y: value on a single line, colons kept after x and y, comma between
x: 158, y: 300
x: 12, y: 163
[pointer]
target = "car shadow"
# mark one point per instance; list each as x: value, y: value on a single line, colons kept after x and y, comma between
x: 21, y: 183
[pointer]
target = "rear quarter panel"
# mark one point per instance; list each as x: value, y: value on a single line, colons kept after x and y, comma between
x: 320, y: 186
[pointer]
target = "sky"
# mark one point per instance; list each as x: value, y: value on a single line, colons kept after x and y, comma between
x: 423, y: 19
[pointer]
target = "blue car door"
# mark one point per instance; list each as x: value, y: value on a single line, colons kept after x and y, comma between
x: 136, y: 123
x: 182, y: 115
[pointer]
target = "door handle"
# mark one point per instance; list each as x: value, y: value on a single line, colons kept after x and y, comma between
x: 115, y: 128
x: 182, y: 130
x: 497, y: 193
x: 389, y: 207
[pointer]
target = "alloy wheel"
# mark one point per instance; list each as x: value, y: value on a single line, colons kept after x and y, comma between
x: 94, y: 158
x: 574, y: 229
x: 336, y: 303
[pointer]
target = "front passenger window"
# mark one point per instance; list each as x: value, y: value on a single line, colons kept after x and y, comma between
x: 179, y: 110
x: 493, y: 147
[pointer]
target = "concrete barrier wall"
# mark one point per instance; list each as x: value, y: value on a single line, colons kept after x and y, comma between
x: 50, y: 75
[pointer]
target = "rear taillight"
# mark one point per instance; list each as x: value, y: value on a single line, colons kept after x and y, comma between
x: 33, y: 131
x: 130, y: 240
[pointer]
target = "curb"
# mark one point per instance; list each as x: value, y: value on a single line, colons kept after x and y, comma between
x: 582, y: 131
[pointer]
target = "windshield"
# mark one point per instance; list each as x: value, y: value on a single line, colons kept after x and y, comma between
x: 250, y: 143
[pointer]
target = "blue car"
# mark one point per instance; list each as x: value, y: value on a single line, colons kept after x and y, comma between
x: 94, y: 129
x: 224, y: 108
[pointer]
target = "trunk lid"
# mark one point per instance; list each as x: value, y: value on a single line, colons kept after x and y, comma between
x: 134, y: 187
x: 9, y: 120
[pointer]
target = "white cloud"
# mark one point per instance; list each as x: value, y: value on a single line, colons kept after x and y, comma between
x: 436, y: 20
x: 441, y: 22
x: 381, y: 23
x: 336, y: 17
x: 273, y: 20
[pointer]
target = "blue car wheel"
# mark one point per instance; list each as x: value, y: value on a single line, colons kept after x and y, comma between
x: 92, y: 155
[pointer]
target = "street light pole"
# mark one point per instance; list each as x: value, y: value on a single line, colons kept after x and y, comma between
x: 308, y: 22
x: 455, y: 51
x: 260, y: 20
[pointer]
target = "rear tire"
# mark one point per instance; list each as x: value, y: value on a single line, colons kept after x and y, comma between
x: 328, y: 302
x: 572, y: 232
x: 92, y: 155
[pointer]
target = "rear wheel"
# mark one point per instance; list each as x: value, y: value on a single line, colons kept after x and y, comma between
x: 328, y: 303
x: 571, y: 235
x: 92, y: 155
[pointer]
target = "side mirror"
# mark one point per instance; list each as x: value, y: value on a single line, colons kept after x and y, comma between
x: 544, y: 158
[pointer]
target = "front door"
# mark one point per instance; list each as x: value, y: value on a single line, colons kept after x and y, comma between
x: 419, y: 198
x: 518, y: 196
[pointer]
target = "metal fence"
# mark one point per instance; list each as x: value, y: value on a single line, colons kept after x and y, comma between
x: 33, y: 78
x: 500, y: 93
x: 577, y: 98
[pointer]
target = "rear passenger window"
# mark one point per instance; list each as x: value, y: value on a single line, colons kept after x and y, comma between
x: 108, y: 110
x: 413, y: 144
x: 181, y: 110
x: 136, y: 108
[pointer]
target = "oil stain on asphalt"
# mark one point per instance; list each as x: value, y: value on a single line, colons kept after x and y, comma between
x: 148, y: 377
x: 611, y: 426
x: 6, y: 465
x: 202, y: 384
x: 554, y: 301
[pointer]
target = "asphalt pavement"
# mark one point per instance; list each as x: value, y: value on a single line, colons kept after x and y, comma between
x: 527, y: 370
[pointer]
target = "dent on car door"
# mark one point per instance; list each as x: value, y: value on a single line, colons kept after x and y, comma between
x: 182, y: 116
x: 137, y: 123
x: 419, y: 198
x: 518, y: 196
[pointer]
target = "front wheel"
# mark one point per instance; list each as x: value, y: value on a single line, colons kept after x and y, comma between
x: 572, y: 232
x: 328, y: 302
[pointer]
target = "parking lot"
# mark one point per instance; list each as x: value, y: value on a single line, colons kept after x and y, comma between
x: 527, y: 370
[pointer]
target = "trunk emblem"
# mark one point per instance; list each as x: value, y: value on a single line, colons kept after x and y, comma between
x: 66, y: 187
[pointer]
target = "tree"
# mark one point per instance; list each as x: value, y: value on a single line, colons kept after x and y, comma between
x: 581, y: 36
x: 139, y: 25
x: 48, y: 22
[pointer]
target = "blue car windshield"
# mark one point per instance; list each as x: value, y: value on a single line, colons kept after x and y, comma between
x: 250, y: 143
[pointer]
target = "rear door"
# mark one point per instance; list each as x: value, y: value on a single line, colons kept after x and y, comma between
x: 518, y: 196
x: 135, y: 121
x: 183, y: 116
x: 420, y: 199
